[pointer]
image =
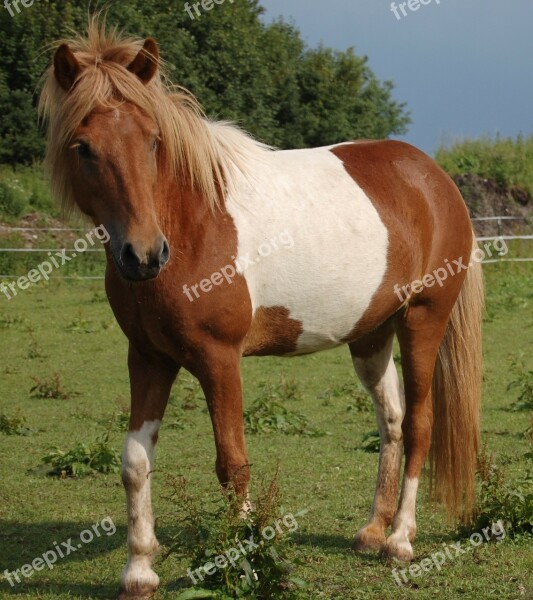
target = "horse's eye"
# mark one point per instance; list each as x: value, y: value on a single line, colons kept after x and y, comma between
x: 155, y: 144
x: 83, y: 150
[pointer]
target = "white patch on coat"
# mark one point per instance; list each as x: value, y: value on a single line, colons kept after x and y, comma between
x: 137, y: 464
x: 339, y: 257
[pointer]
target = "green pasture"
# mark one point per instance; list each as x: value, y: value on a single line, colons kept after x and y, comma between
x: 66, y: 328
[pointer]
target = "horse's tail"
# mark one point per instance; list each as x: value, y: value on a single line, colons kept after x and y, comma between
x: 456, y: 391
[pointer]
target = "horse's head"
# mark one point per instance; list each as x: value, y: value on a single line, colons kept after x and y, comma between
x: 111, y: 161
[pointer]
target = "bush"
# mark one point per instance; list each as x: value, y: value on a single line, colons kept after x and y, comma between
x: 15, y: 425
x: 258, y: 569
x: 499, y: 499
x: 51, y: 388
x: 24, y: 190
x: 524, y: 386
x: 13, y: 200
x: 96, y: 457
x: 508, y: 162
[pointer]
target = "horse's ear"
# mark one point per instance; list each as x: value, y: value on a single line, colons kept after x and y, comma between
x: 145, y: 64
x: 66, y: 67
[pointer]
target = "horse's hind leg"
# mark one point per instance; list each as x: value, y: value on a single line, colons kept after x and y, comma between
x: 420, y: 331
x: 372, y: 358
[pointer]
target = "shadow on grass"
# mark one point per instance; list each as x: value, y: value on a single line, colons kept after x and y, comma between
x: 339, y: 544
x: 61, y: 590
x: 22, y: 543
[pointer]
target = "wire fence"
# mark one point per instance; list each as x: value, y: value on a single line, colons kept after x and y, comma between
x: 498, y: 220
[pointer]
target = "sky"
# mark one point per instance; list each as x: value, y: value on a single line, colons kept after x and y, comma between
x: 464, y: 67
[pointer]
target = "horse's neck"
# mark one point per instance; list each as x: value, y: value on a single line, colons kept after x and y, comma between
x: 184, y: 213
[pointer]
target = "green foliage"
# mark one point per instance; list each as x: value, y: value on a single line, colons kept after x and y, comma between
x: 371, y: 442
x: 50, y: 389
x: 351, y: 391
x: 80, y: 325
x: 268, y: 414
x: 12, y: 199
x: 258, y: 568
x: 34, y: 351
x: 96, y: 457
x: 498, y: 499
x: 24, y: 189
x: 15, y: 425
x: 509, y: 162
x: 288, y: 389
x: 190, y: 394
x: 524, y: 385
x: 118, y: 421
x: 241, y: 69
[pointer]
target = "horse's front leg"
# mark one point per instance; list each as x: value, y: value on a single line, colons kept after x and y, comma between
x: 151, y: 381
x: 220, y: 378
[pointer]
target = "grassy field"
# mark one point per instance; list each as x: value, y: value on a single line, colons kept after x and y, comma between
x: 67, y: 328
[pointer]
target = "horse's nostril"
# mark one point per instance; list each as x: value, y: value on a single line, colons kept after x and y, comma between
x: 165, y: 253
x: 129, y: 257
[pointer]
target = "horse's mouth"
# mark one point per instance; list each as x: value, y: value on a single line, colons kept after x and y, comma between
x: 137, y: 274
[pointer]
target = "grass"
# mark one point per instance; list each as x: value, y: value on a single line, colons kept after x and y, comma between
x: 23, y: 190
x: 507, y: 161
x: 268, y: 413
x: 331, y: 477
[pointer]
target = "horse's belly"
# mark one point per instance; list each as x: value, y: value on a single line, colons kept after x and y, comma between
x: 313, y: 252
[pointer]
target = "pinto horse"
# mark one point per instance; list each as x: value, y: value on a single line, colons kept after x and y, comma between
x: 183, y: 198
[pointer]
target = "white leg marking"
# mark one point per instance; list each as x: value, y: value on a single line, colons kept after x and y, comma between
x: 137, y: 463
x: 247, y: 507
x: 404, y: 526
x: 380, y: 377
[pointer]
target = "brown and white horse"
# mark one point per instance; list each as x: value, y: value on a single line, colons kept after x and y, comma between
x: 184, y: 199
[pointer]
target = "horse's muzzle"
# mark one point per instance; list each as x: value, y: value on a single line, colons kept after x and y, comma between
x: 136, y: 263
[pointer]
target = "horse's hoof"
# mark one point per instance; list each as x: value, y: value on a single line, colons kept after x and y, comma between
x: 139, y: 593
x: 399, y: 549
x: 369, y: 539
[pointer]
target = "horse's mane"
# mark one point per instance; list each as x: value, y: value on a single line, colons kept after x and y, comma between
x: 205, y: 152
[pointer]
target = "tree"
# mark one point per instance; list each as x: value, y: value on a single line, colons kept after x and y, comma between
x: 261, y: 76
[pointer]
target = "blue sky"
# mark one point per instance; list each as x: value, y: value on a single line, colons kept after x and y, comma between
x: 464, y: 67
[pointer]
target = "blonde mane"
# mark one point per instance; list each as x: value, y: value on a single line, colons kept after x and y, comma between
x: 206, y: 153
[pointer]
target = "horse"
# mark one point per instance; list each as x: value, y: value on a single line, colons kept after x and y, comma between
x: 372, y: 225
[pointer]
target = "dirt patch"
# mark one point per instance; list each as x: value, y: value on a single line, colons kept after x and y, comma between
x: 487, y: 198
x: 36, y: 238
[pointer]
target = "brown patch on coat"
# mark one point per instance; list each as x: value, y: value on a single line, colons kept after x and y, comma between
x: 272, y: 332
x: 417, y: 201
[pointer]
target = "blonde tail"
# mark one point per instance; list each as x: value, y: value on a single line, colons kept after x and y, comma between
x: 456, y: 391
